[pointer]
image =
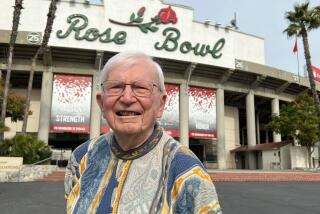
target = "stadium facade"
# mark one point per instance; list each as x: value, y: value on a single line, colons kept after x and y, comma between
x: 221, y: 93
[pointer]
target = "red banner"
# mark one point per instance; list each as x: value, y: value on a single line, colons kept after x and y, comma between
x: 202, y: 135
x: 85, y: 129
x: 295, y: 48
x: 173, y: 133
x: 316, y: 73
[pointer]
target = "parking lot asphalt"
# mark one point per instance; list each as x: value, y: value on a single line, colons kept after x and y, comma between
x: 235, y: 197
x: 32, y: 198
x: 269, y: 197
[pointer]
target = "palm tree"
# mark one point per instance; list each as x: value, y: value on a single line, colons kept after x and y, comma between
x: 302, y: 20
x: 41, y: 49
x: 14, y: 32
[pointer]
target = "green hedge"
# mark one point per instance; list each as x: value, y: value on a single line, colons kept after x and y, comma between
x: 27, y: 146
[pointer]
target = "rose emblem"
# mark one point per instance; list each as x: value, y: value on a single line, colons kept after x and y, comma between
x: 167, y: 15
x: 164, y: 16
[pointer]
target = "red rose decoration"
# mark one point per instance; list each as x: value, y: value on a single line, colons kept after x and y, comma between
x: 141, y: 11
x: 167, y: 15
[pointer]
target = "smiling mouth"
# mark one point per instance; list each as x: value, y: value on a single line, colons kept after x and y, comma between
x: 127, y: 113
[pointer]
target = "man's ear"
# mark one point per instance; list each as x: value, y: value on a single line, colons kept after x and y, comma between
x: 99, y: 101
x: 163, y: 100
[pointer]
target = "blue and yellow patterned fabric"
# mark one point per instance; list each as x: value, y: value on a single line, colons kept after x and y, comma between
x: 160, y: 176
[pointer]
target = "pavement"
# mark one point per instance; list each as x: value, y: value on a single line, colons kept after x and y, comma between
x: 234, y: 197
x: 32, y: 197
x: 269, y: 197
x: 239, y: 191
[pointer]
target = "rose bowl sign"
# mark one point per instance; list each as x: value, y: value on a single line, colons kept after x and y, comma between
x: 79, y: 27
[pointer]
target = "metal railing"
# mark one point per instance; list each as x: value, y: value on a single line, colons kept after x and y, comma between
x: 41, y: 161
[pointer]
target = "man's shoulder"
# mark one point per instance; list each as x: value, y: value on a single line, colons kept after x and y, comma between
x: 184, y: 159
x: 83, y: 148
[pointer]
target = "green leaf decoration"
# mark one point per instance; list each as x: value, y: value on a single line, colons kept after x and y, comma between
x: 143, y: 28
x: 132, y: 17
x: 138, y: 20
x: 154, y: 29
x: 156, y: 20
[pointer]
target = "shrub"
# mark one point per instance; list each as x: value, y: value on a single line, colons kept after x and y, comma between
x: 26, y: 146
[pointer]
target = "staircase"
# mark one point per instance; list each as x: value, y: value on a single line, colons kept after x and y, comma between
x: 54, y: 176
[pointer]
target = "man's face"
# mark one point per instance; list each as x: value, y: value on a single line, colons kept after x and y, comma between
x: 127, y: 113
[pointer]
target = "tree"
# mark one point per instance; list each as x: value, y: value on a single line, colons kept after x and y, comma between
x: 300, y: 120
x: 302, y: 20
x: 43, y: 46
x: 15, y: 107
x: 13, y: 37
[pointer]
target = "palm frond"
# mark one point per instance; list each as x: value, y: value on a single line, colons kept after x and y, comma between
x: 303, y: 16
x: 292, y: 30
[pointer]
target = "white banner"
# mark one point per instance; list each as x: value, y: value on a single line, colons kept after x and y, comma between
x: 71, y: 102
x: 202, y: 113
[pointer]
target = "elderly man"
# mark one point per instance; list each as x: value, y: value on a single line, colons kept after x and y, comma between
x: 137, y: 167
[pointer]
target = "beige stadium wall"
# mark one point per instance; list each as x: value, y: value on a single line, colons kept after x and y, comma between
x: 285, y: 157
x: 33, y: 120
x: 232, y: 138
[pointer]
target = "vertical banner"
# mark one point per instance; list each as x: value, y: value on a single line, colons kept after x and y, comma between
x: 71, y: 101
x: 316, y: 73
x: 202, y: 113
x: 170, y: 117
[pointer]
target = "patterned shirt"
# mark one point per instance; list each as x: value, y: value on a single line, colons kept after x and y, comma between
x: 160, y: 176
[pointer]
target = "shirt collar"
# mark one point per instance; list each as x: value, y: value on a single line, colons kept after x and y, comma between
x: 143, y: 149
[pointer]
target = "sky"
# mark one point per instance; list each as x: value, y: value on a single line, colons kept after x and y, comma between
x: 263, y: 18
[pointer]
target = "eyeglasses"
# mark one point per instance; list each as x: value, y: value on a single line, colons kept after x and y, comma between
x: 139, y: 88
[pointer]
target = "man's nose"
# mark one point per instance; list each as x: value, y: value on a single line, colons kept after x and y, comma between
x: 127, y: 94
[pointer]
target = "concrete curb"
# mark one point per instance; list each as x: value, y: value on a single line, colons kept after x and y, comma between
x: 264, y: 176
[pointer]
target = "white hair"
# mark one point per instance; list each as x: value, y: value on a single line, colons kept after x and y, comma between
x: 129, y: 58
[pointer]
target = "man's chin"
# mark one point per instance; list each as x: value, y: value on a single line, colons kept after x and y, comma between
x: 127, y: 128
